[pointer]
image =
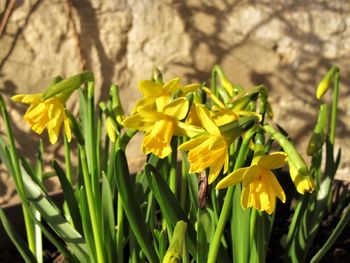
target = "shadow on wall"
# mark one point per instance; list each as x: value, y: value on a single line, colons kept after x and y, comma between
x: 297, y: 77
x: 238, y: 35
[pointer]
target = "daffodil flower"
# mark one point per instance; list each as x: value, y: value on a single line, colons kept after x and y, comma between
x: 153, y: 91
x: 45, y: 113
x: 260, y: 186
x: 208, y: 150
x: 159, y: 124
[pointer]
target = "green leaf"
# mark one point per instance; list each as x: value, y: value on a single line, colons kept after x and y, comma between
x: 53, y: 217
x: 69, y: 197
x: 240, y: 228
x: 108, y: 220
x: 20, y: 244
x: 131, y: 208
x: 205, y: 231
x: 162, y: 242
x: 169, y: 205
x: 69, y: 84
x: 86, y: 223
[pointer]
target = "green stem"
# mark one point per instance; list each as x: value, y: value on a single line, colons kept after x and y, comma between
x: 215, y: 244
x: 334, y: 106
x: 38, y: 232
x: 18, y: 178
x: 173, y: 166
x: 213, y: 80
x: 183, y: 193
x: 92, y: 207
x: 92, y: 139
x: 68, y: 160
x: 120, y: 233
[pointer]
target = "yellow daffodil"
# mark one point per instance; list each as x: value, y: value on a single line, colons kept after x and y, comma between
x: 159, y: 123
x: 300, y: 176
x: 153, y: 91
x: 208, y: 150
x: 260, y: 186
x: 45, y: 113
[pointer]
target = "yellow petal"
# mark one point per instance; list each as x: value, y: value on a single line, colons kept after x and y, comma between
x: 214, y: 171
x: 149, y: 88
x: 224, y: 116
x: 232, y: 178
x: 302, y: 182
x: 53, y: 131
x: 227, y: 159
x: 134, y: 121
x: 161, y: 102
x: 245, y: 197
x: 27, y: 98
x: 177, y: 108
x: 190, y: 88
x: 272, y: 206
x: 39, y: 127
x: 36, y: 113
x: 187, y: 129
x: 214, y: 98
x: 251, y: 174
x: 273, y: 161
x: 193, y: 143
x: 145, y: 102
x: 172, y: 85
x: 158, y: 139
x: 110, y: 129
x: 200, y: 162
x: 275, y: 186
x: 67, y: 129
x: 206, y: 121
x: 149, y: 115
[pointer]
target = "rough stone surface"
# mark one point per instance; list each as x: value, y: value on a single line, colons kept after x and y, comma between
x: 287, y: 46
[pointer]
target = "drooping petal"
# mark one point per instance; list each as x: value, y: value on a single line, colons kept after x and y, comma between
x: 53, y: 130
x: 178, y: 108
x: 67, y: 129
x: 214, y: 171
x: 301, y: 180
x: 272, y: 206
x: 157, y: 140
x: 275, y: 185
x: 227, y: 159
x: 36, y: 112
x: 273, y: 160
x: 245, y: 197
x: 232, y: 178
x: 206, y: 121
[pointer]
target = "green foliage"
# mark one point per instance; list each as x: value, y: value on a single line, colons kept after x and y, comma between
x: 163, y: 213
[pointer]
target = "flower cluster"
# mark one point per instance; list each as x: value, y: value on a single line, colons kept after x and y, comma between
x: 165, y: 111
x: 168, y: 110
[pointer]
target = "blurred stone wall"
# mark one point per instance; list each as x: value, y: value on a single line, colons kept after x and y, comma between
x: 285, y: 45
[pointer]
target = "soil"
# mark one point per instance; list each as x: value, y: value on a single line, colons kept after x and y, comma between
x: 339, y: 253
